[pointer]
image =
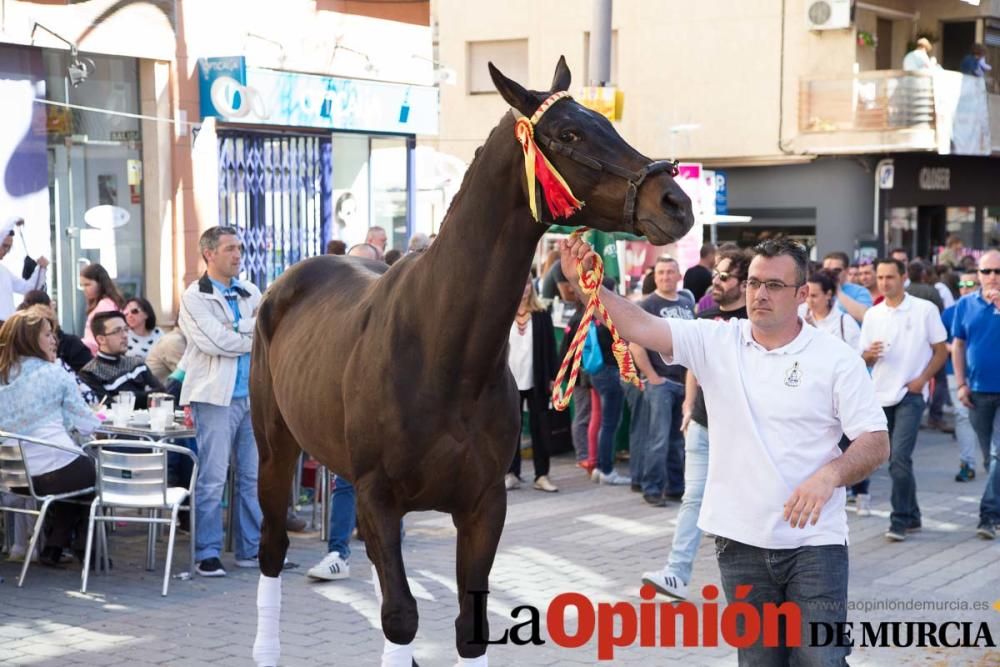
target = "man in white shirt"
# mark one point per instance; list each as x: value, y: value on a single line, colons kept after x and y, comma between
x: 779, y: 395
x: 903, y: 341
x: 11, y: 283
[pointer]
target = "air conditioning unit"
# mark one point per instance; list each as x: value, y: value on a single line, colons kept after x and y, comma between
x: 828, y: 14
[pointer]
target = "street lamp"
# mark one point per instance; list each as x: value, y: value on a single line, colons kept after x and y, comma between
x: 79, y: 68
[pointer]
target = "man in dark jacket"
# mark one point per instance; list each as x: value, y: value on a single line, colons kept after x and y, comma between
x: 111, y: 371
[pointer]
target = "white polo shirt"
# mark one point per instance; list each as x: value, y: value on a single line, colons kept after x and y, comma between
x: 774, y: 418
x: 909, y: 330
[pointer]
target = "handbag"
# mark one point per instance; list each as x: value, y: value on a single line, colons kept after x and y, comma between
x: 593, y: 360
x: 29, y: 264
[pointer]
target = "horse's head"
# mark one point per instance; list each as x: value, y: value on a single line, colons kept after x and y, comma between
x: 623, y: 190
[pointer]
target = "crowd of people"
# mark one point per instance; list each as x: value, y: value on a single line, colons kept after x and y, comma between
x: 928, y: 334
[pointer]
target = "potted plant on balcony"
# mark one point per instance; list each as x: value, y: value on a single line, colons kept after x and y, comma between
x: 866, y: 38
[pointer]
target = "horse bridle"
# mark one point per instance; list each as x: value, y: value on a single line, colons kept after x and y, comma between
x: 635, y: 179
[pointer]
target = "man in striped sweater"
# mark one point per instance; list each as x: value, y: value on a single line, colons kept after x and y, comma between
x: 111, y: 371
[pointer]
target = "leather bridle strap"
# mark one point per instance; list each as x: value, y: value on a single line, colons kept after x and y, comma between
x: 635, y: 179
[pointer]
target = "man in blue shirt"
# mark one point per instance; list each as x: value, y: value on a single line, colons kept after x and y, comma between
x: 217, y: 316
x: 852, y: 299
x: 976, y: 360
x: 968, y: 283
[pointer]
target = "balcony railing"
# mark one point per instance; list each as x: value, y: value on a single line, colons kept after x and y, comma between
x: 880, y: 111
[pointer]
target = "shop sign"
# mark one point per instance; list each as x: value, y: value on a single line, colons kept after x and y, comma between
x: 721, y: 193
x: 235, y: 94
x: 935, y: 178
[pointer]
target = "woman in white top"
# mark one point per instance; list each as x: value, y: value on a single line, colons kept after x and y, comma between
x: 142, y: 330
x: 39, y: 399
x: 532, y: 360
x: 824, y: 315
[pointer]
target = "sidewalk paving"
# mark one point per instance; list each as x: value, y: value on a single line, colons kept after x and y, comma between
x: 590, y: 539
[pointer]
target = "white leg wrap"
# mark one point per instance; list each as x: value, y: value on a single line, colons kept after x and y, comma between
x: 481, y: 661
x: 397, y: 655
x: 267, y: 647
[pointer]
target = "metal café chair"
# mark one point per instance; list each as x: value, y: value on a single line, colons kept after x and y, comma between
x: 133, y: 474
x: 15, y: 478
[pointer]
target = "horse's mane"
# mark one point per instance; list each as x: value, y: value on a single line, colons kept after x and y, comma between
x: 476, y: 159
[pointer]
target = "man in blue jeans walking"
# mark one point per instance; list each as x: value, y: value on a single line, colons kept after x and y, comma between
x: 661, y: 447
x: 729, y: 294
x: 779, y: 395
x: 976, y: 358
x: 217, y: 315
x: 903, y: 342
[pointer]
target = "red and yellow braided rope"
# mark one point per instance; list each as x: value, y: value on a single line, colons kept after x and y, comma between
x: 590, y: 283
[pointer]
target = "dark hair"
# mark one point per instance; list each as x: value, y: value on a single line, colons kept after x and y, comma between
x: 826, y: 281
x: 336, y: 247
x: 739, y: 261
x: 916, y: 271
x: 99, y: 323
x: 706, y: 250
x: 785, y: 248
x: 147, y: 308
x: 106, y: 286
x: 839, y: 255
x: 35, y: 297
x: 210, y: 237
x: 899, y: 249
x: 889, y: 260
x: 392, y: 256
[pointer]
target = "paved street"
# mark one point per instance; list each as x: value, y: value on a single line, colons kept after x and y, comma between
x: 589, y: 539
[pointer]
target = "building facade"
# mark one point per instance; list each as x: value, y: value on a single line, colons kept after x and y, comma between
x: 799, y: 103
x: 130, y: 127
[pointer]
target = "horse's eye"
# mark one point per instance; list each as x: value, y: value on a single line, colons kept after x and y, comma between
x: 569, y: 136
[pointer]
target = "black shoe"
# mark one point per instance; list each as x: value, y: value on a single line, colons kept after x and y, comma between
x: 654, y: 501
x: 211, y: 567
x: 674, y: 496
x: 987, y: 531
x: 636, y: 488
x: 51, y: 556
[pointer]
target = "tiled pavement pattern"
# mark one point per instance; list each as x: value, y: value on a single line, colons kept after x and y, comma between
x: 586, y: 538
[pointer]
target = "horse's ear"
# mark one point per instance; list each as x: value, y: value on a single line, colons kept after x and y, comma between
x: 561, y: 79
x: 513, y: 92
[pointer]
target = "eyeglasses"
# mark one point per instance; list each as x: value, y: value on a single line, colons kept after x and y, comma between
x: 968, y: 283
x: 116, y: 332
x: 987, y: 272
x: 723, y: 276
x: 133, y: 311
x: 771, y: 285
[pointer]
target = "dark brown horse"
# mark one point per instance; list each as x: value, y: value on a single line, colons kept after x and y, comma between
x: 397, y: 378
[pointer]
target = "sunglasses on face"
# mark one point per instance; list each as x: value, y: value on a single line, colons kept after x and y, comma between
x: 723, y: 276
x: 968, y: 283
x: 133, y: 311
x: 987, y: 272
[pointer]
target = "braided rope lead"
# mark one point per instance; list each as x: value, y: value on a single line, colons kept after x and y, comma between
x: 590, y: 283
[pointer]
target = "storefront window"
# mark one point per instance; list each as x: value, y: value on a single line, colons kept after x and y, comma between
x: 961, y: 220
x: 901, y: 229
x: 388, y: 188
x: 991, y: 227
x: 95, y: 173
x: 350, y: 187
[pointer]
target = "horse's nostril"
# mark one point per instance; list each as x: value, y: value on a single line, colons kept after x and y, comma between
x: 670, y: 202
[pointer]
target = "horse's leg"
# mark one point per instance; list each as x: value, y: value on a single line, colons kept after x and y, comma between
x: 278, y: 452
x: 379, y: 520
x: 478, y: 536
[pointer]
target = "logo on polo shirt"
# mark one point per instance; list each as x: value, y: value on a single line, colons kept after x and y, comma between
x: 793, y: 376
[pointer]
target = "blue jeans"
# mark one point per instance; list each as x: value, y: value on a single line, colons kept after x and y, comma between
x: 964, y: 433
x: 985, y: 418
x: 814, y: 578
x: 343, y: 514
x: 636, y: 429
x: 225, y: 432
x: 904, y: 422
x: 663, y: 463
x: 687, y: 536
x: 610, y: 390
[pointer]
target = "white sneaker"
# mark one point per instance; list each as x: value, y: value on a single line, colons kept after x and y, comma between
x: 667, y: 583
x: 614, y: 479
x: 864, y: 504
x: 331, y: 568
x: 595, y: 476
x: 511, y: 482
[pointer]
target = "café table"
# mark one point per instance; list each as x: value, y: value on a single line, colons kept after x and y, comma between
x: 174, y: 431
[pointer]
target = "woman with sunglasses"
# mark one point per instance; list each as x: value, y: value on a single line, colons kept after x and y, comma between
x: 142, y: 330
